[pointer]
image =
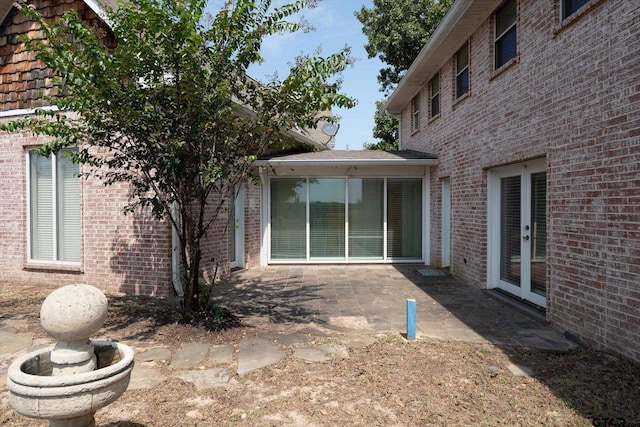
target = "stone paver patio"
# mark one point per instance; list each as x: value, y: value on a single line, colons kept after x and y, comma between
x: 373, y: 297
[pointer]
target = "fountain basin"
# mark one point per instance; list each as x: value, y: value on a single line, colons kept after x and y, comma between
x: 34, y: 393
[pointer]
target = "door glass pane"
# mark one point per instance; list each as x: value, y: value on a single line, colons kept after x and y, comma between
x: 510, y: 265
x: 327, y: 218
x: 288, y: 218
x: 404, y: 219
x: 539, y: 233
x: 69, y: 230
x: 366, y: 205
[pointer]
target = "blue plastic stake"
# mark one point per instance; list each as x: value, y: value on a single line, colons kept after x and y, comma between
x: 411, y: 319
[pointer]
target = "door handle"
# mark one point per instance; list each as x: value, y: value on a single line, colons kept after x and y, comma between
x: 525, y: 237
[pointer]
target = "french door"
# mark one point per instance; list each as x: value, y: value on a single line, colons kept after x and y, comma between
x: 518, y: 230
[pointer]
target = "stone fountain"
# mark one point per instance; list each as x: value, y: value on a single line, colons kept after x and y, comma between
x: 67, y: 382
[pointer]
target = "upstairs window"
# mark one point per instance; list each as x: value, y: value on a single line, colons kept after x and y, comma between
x: 415, y: 113
x: 506, y: 34
x: 462, y: 70
x: 434, y: 95
x: 569, y: 7
x: 54, y: 209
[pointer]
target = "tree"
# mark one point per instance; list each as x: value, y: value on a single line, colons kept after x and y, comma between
x: 396, y: 31
x: 170, y: 109
x: 385, y: 129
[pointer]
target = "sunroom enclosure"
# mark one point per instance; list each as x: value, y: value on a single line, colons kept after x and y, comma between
x: 346, y: 219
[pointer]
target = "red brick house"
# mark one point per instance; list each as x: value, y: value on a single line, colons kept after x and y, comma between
x: 533, y: 110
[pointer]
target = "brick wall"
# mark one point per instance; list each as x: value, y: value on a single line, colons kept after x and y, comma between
x: 572, y: 97
x: 130, y: 253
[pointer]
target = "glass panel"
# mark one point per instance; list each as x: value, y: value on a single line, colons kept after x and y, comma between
x: 505, y: 17
x: 510, y: 265
x: 506, y: 47
x: 404, y: 219
x: 539, y: 233
x: 41, y: 214
x: 435, y: 95
x: 571, y: 6
x: 366, y: 216
x: 462, y: 83
x: 69, y: 230
x: 462, y: 58
x: 288, y: 218
x: 327, y: 218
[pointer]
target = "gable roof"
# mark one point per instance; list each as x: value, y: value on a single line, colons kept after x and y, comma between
x: 462, y: 20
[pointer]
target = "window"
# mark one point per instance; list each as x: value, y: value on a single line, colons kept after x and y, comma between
x: 569, y: 7
x: 54, y: 209
x: 415, y: 113
x: 434, y: 93
x: 506, y: 34
x: 462, y: 70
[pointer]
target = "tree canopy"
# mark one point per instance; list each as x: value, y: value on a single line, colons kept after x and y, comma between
x: 396, y: 31
x: 170, y: 109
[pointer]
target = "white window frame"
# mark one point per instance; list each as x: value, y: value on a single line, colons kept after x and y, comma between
x: 566, y: 14
x: 54, y: 183
x: 499, y: 37
x: 426, y: 230
x: 415, y: 113
x: 459, y: 71
x: 434, y: 94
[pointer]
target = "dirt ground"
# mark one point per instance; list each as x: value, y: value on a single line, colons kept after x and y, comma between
x: 391, y: 382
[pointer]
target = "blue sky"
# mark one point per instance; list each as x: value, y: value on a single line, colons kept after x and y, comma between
x: 335, y: 26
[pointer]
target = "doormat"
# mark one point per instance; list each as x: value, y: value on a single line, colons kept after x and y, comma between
x: 431, y: 272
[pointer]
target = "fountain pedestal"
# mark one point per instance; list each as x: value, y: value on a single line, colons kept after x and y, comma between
x: 68, y: 382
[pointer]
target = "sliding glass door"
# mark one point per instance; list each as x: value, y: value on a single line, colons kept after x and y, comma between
x: 346, y: 219
x: 366, y: 218
x: 289, y: 218
x: 326, y: 219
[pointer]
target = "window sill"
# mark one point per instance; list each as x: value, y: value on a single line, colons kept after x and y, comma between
x: 507, y: 65
x: 433, y: 118
x: 414, y: 131
x: 459, y: 100
x: 54, y: 268
x: 576, y: 16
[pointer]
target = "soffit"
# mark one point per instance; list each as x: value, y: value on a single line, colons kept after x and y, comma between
x: 462, y: 20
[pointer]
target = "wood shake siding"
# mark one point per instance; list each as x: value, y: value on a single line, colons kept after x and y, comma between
x: 25, y: 81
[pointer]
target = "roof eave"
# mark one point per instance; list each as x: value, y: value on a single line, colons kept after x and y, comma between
x: 346, y: 162
x: 464, y: 17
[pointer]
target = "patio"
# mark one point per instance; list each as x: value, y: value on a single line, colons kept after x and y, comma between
x: 373, y: 298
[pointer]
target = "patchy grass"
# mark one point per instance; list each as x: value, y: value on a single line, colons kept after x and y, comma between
x: 391, y: 382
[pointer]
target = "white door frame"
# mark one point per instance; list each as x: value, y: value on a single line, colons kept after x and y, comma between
x: 238, y: 229
x: 524, y: 170
x: 446, y: 223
